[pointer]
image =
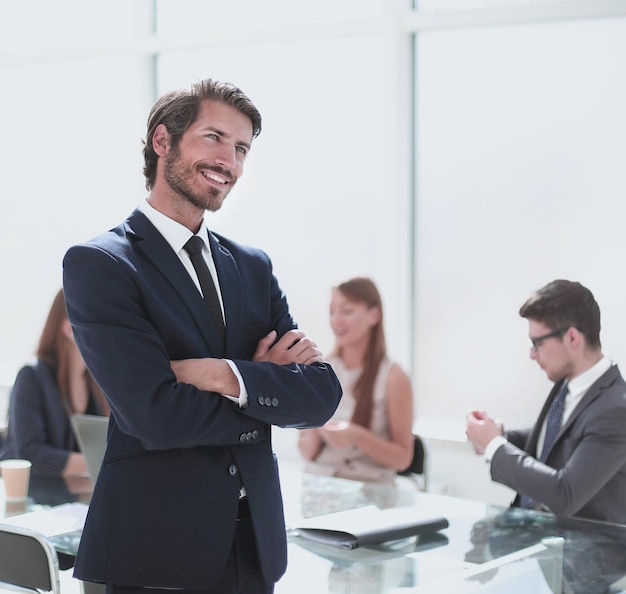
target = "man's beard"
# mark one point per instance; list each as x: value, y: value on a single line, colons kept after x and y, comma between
x: 180, y: 179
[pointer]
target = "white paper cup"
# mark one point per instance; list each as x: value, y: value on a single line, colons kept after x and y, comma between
x: 16, y: 476
x: 14, y: 508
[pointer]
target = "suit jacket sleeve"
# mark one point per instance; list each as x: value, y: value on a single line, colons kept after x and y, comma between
x: 590, y: 453
x: 518, y: 437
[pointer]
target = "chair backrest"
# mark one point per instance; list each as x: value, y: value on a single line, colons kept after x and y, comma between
x: 28, y: 561
x: 418, y: 466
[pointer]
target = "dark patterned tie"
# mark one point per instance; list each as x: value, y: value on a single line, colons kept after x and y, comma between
x: 194, y: 248
x: 553, y: 426
x: 553, y: 423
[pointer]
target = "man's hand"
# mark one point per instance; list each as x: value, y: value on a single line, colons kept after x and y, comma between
x: 293, y: 347
x: 212, y: 375
x: 481, y: 429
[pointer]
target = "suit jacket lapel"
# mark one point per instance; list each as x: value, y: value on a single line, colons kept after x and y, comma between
x: 231, y: 289
x: 592, y: 394
x: 167, y: 262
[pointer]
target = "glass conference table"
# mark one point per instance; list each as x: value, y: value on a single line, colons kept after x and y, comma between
x: 484, y: 549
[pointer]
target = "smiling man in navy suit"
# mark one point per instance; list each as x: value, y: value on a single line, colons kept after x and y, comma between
x: 188, y: 497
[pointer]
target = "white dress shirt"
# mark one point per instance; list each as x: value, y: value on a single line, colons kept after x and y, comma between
x: 177, y: 236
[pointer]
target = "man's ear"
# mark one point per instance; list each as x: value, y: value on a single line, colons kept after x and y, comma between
x: 575, y: 337
x: 161, y: 140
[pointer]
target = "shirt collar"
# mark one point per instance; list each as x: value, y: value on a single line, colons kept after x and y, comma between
x: 175, y: 234
x: 581, y: 383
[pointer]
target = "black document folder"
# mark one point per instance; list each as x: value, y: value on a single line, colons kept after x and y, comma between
x: 368, y: 526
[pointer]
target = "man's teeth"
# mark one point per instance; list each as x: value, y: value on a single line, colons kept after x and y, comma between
x: 215, y: 178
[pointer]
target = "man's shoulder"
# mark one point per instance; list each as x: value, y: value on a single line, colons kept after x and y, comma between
x: 613, y: 375
x: 612, y: 386
x: 117, y: 238
x: 237, y: 248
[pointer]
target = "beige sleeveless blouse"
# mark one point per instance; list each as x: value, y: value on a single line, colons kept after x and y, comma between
x: 350, y: 462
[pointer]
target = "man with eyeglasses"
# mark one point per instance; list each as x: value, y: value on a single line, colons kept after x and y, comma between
x: 572, y: 462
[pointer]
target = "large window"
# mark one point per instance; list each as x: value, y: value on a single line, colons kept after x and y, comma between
x: 72, y: 118
x: 522, y: 146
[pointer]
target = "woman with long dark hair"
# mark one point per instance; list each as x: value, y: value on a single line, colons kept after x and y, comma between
x: 45, y: 394
x: 370, y: 435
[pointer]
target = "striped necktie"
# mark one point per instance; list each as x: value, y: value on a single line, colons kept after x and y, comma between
x: 553, y: 422
x: 553, y: 426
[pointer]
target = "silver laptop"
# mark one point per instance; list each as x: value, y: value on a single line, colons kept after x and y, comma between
x: 91, y: 434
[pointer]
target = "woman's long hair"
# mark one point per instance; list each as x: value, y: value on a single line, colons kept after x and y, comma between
x: 363, y: 290
x: 54, y: 349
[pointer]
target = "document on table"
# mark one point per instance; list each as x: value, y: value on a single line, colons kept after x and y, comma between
x: 368, y: 525
x: 52, y: 521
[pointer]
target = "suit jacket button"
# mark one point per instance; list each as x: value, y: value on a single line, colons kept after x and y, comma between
x: 268, y: 401
x: 233, y: 470
x: 255, y: 434
x: 261, y: 401
x: 242, y: 437
x: 274, y: 402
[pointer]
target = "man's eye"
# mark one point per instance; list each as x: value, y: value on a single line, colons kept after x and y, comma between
x: 242, y: 150
x: 213, y: 136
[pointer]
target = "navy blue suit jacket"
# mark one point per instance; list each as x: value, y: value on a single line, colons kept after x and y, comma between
x: 164, y: 507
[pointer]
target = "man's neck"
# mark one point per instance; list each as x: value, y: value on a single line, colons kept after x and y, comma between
x: 587, y: 361
x: 182, y: 212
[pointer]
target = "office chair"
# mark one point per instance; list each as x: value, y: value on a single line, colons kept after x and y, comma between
x: 417, y: 470
x: 28, y: 561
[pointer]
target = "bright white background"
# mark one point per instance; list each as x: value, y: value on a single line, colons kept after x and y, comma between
x: 512, y: 175
x: 521, y: 179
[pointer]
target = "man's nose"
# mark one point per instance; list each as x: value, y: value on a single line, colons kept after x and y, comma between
x: 227, y: 157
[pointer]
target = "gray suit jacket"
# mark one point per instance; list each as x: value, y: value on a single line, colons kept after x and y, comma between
x: 585, y: 471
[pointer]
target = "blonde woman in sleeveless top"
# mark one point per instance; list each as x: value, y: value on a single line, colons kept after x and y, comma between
x: 370, y: 435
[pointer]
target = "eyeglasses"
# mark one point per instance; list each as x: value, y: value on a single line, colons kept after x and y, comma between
x: 537, y: 342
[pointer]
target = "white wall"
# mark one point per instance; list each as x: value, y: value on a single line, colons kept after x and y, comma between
x: 522, y: 146
x: 70, y: 159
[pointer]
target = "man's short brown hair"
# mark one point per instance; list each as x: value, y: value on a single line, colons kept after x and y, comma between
x: 563, y: 304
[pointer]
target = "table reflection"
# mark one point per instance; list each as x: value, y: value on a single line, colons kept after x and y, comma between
x: 594, y: 556
x: 479, y: 536
x: 374, y: 569
x: 594, y: 553
x: 325, y: 495
x: 49, y: 491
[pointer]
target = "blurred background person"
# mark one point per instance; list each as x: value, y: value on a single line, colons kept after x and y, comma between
x: 572, y: 461
x: 369, y: 438
x: 44, y: 395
